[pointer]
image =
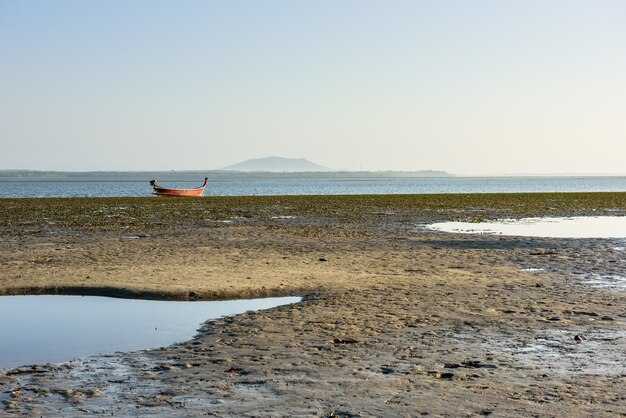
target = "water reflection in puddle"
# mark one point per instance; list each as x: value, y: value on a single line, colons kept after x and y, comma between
x: 42, y: 329
x: 574, y: 227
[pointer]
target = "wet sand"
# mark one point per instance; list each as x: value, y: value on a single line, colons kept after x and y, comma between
x: 395, y: 321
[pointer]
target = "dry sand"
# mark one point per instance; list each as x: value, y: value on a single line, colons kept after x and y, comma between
x: 395, y: 321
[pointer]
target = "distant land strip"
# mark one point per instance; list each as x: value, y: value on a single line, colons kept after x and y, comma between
x: 198, y: 175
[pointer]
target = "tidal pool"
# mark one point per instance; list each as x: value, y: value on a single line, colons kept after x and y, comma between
x: 50, y: 329
x: 573, y: 227
x: 605, y: 281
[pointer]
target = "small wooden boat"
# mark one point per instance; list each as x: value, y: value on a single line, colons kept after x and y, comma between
x: 164, y: 191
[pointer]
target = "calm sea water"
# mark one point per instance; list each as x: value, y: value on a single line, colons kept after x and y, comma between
x: 257, y: 187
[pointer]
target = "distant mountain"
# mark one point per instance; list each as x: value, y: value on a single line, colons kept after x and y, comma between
x: 277, y: 164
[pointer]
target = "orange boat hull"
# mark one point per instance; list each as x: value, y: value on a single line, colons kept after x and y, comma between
x: 163, y: 191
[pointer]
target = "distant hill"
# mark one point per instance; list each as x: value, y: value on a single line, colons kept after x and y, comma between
x: 277, y: 164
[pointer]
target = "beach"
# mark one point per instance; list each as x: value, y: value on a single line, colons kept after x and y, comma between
x: 396, y: 320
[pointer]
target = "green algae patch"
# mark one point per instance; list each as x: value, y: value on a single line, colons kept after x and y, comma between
x: 139, y: 214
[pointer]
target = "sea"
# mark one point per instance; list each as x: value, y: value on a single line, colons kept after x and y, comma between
x: 20, y: 188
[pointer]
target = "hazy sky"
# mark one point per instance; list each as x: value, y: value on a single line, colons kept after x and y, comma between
x: 464, y: 86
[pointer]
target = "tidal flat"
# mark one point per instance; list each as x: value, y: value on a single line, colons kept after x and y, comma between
x: 396, y: 320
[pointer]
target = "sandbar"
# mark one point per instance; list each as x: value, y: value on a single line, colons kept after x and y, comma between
x: 396, y: 320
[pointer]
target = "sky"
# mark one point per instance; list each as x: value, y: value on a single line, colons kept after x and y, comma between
x: 470, y: 87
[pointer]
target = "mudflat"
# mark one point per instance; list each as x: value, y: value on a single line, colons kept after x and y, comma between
x: 396, y: 320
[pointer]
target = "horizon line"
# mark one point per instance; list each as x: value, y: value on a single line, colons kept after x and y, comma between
x: 222, y: 170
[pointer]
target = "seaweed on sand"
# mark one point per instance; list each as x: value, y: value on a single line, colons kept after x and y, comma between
x: 137, y: 214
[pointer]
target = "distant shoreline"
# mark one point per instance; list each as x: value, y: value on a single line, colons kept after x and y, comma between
x: 28, y: 176
x: 195, y: 175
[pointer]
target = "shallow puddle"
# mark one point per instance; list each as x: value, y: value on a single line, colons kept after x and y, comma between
x: 599, y: 352
x: 574, y: 227
x: 608, y: 227
x: 43, y: 329
x: 557, y: 351
x: 605, y: 281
